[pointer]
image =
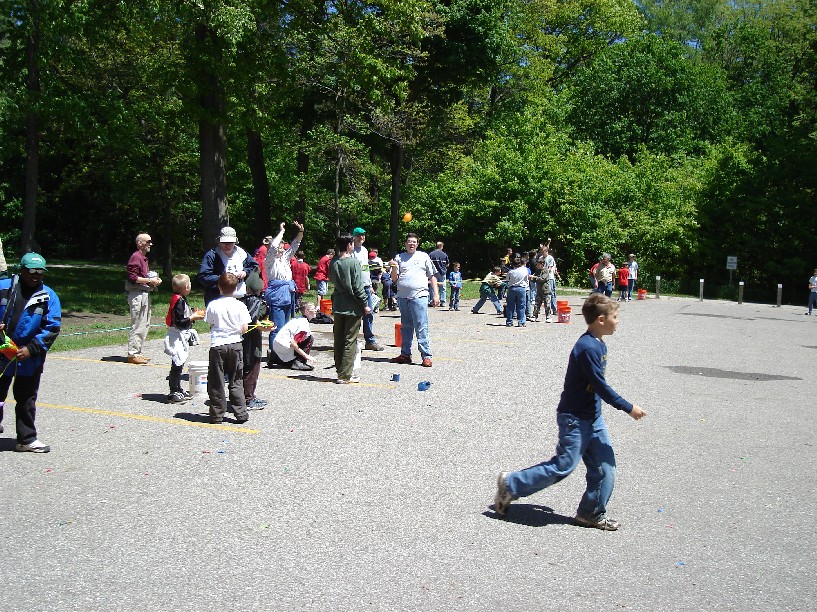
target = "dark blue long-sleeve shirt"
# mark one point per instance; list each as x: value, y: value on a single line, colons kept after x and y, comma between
x: 585, y: 385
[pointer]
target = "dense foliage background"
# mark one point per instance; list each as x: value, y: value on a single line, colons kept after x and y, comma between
x: 683, y: 131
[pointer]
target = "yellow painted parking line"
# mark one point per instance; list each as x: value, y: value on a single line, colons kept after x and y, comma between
x: 155, y: 419
x: 498, y: 342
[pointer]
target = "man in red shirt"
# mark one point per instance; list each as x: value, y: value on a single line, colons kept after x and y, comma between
x: 322, y: 274
x: 300, y: 276
x: 623, y: 281
x: 140, y: 282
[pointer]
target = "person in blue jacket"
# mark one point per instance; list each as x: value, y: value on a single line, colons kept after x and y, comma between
x: 31, y: 317
x: 583, y: 434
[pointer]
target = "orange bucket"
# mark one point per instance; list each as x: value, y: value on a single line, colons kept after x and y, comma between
x: 564, y: 315
x: 561, y: 305
x: 642, y: 294
x: 398, y: 334
x: 325, y: 307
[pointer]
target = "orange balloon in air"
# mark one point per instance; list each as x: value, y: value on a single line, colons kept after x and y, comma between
x: 407, y: 217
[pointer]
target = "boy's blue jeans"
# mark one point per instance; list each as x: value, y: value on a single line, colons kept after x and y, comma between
x: 484, y: 297
x: 455, y: 298
x: 579, y: 439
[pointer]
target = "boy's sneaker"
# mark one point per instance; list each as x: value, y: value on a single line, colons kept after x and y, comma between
x: 256, y: 404
x: 177, y: 397
x: 374, y: 346
x: 34, y: 447
x: 604, y: 523
x: 187, y: 395
x: 402, y: 359
x: 351, y: 381
x: 503, y: 497
x: 426, y: 362
x: 300, y: 365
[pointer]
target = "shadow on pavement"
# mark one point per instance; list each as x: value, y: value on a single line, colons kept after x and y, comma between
x: 7, y: 444
x: 531, y: 515
x: 159, y: 398
x: 115, y: 358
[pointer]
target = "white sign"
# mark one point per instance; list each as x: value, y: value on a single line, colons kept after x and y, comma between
x: 732, y: 262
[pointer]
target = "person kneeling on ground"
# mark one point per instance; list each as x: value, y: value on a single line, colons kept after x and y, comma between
x: 294, y: 341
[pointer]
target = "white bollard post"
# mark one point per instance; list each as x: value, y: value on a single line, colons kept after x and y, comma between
x: 779, y: 295
x: 701, y: 297
x: 740, y: 292
x: 657, y: 287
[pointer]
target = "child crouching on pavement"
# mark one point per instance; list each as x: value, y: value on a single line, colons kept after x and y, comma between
x: 180, y: 336
x: 583, y: 434
x: 229, y: 320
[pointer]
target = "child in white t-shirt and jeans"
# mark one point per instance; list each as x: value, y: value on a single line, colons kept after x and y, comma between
x: 229, y: 320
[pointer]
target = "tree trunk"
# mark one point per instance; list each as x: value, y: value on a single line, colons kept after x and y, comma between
x: 212, y: 150
x: 396, y: 178
x: 29, y: 243
x: 260, y: 185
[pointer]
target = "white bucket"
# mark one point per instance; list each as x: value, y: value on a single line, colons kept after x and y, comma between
x: 197, y: 373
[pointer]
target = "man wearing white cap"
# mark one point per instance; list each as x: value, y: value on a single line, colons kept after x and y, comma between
x: 226, y: 257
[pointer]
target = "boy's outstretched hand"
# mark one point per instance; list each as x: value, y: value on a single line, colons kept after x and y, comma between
x: 638, y: 412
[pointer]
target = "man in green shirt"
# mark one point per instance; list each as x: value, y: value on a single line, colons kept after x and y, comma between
x: 349, y: 303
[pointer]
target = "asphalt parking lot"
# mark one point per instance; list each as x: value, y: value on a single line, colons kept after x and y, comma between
x: 378, y: 496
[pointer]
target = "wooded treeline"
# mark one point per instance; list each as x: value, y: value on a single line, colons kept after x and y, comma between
x: 683, y: 131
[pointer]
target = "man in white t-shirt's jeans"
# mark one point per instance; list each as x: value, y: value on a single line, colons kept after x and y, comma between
x: 412, y: 270
x: 362, y: 254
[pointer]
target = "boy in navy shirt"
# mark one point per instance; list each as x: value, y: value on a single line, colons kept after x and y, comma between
x: 582, y: 432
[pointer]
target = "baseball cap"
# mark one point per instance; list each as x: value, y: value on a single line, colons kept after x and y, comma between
x: 227, y: 235
x: 358, y: 231
x: 372, y: 254
x: 33, y: 261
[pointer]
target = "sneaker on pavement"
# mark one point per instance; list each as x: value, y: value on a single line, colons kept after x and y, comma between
x: 604, y: 523
x: 187, y: 394
x: 350, y: 381
x: 34, y: 447
x: 177, y: 397
x: 2, y: 429
x: 426, y: 362
x: 503, y: 497
x: 401, y: 358
x: 300, y: 365
x: 137, y: 359
x: 256, y: 404
x: 374, y: 346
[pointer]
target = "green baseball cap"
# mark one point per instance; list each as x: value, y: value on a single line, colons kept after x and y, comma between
x: 33, y: 261
x: 358, y: 231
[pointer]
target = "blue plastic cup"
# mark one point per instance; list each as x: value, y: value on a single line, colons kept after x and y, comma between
x: 424, y: 385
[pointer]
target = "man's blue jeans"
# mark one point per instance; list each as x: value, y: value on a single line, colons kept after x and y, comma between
x: 414, y: 320
x: 552, y: 282
x: 812, y: 300
x: 368, y: 319
x: 630, y: 287
x: 579, y: 439
x: 516, y: 304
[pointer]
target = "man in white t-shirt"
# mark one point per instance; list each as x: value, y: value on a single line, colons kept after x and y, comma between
x: 632, y: 265
x: 294, y: 341
x: 412, y: 270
